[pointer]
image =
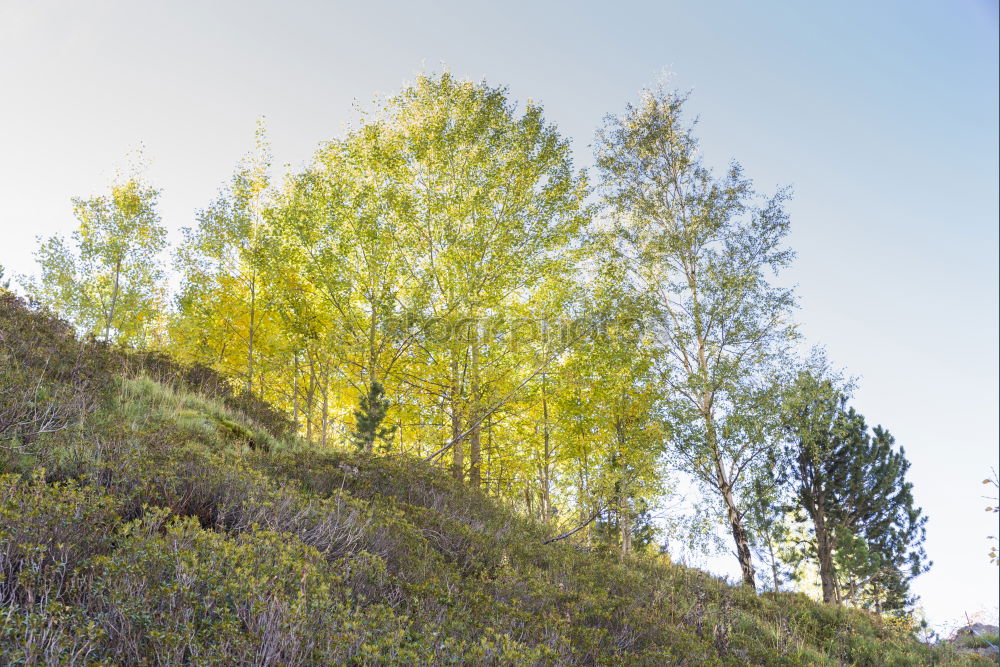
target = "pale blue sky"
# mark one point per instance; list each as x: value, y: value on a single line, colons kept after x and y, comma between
x: 882, y: 116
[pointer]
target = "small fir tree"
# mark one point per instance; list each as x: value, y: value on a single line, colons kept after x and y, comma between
x: 368, y: 419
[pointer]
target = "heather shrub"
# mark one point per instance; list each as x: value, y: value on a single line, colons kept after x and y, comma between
x: 188, y: 595
x: 49, y: 381
x: 49, y: 533
x: 164, y: 522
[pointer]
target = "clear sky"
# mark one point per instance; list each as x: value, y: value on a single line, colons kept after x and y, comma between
x: 883, y: 116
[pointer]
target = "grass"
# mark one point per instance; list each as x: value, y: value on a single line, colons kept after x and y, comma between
x: 178, y: 542
x: 161, y: 527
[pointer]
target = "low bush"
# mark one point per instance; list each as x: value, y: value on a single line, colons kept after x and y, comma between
x: 167, y: 527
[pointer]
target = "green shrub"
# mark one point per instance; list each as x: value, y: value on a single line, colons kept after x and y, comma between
x: 49, y: 534
x: 168, y: 523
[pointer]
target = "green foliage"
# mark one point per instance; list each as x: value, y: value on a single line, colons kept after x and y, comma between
x: 167, y: 541
x: 110, y: 283
x: 866, y: 533
x: 416, y: 252
x: 700, y: 250
x: 162, y: 511
x: 48, y: 380
x: 368, y: 419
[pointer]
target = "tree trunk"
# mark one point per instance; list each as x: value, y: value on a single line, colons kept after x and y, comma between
x: 475, y: 475
x: 625, y: 525
x: 739, y: 532
x: 326, y: 403
x: 546, y: 495
x: 774, y: 563
x: 310, y: 395
x: 490, y: 473
x: 724, y: 484
x: 824, y: 549
x: 458, y: 449
x: 735, y: 522
x: 295, y: 393
x: 372, y: 378
x: 582, y: 495
x: 547, y: 452
x: 114, y: 302
x: 250, y: 335
x: 740, y: 538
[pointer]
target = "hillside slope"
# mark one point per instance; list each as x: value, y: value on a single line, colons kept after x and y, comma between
x: 144, y: 523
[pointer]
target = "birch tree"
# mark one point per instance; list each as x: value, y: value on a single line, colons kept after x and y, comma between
x: 223, y: 305
x: 492, y: 204
x: 109, y: 280
x: 704, y: 247
x: 338, y: 225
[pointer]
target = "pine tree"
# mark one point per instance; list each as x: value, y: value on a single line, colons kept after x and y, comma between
x: 850, y: 486
x: 886, y: 525
x: 368, y: 419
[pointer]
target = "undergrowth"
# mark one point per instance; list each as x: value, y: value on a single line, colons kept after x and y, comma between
x: 158, y: 526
